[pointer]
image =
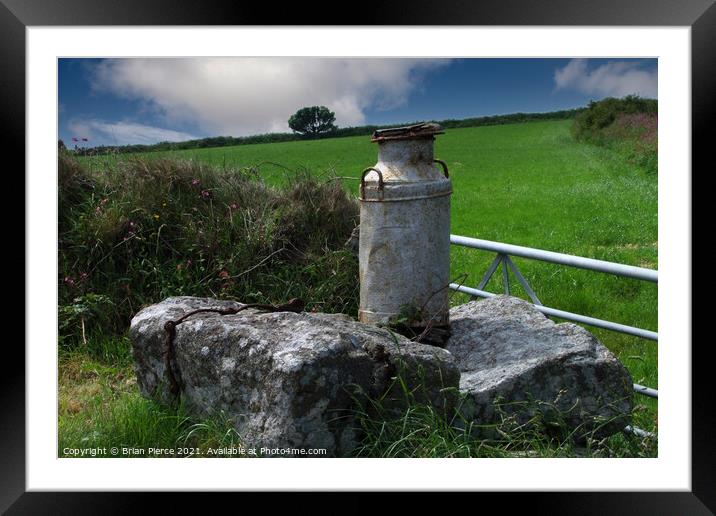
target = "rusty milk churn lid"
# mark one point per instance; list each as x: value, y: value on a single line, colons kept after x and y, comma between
x: 426, y: 130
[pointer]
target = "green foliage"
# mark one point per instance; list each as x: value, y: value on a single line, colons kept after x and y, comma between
x: 311, y: 121
x: 404, y: 321
x: 407, y: 315
x: 143, y: 230
x: 85, y: 309
x: 627, y: 126
x: 603, y: 113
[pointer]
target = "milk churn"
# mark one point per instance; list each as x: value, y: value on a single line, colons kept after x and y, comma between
x: 404, y: 242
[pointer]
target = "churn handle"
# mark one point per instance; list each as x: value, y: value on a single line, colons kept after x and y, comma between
x: 362, y: 180
x: 444, y: 165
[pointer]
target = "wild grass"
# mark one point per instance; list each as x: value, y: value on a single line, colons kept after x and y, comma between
x: 100, y: 407
x: 422, y: 430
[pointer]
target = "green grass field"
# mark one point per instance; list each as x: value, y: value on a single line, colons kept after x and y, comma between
x: 528, y: 184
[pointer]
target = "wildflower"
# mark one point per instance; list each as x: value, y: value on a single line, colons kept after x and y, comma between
x: 69, y: 281
x: 205, y: 194
x: 233, y: 206
x: 156, y: 216
x: 195, y: 182
x: 131, y: 229
x: 103, y: 201
x: 84, y: 277
x: 224, y: 274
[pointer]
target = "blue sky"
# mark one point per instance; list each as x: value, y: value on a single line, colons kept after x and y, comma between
x: 138, y: 100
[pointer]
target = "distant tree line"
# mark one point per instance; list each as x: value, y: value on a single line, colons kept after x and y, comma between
x: 364, y: 130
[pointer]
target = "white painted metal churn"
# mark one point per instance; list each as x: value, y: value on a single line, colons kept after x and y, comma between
x: 404, y: 242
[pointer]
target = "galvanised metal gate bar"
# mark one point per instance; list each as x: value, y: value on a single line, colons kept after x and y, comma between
x: 504, y: 251
x: 646, y: 391
x: 619, y: 269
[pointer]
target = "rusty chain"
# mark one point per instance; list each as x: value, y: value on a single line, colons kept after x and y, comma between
x: 294, y: 305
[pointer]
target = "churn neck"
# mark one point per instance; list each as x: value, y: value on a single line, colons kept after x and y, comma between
x: 413, y: 143
x: 406, y: 151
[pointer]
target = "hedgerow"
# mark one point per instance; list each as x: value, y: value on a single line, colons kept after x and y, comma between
x: 145, y: 230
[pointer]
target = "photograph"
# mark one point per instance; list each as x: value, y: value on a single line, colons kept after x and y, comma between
x: 357, y: 257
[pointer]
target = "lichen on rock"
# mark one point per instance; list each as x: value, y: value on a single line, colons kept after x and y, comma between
x: 517, y: 363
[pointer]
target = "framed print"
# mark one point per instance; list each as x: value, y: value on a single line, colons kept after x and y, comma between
x: 420, y: 250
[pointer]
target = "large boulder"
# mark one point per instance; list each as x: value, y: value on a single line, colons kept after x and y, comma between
x: 518, y: 366
x: 287, y: 380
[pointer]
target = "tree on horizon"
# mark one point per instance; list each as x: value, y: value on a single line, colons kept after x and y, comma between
x: 312, y: 121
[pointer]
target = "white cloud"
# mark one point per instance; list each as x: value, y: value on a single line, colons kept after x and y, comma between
x: 240, y: 96
x: 616, y: 79
x: 100, y: 132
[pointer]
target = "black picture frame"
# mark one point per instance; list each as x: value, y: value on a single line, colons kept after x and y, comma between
x: 700, y: 15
